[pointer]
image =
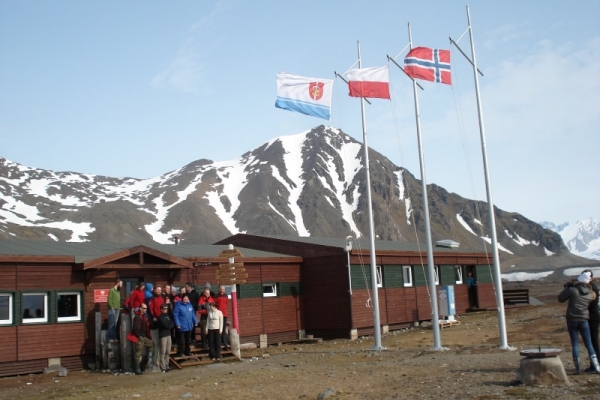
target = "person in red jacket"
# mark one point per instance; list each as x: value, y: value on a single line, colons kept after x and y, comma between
x: 203, y: 307
x: 221, y: 299
x: 136, y: 298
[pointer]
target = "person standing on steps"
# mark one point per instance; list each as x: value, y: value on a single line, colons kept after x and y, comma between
x: 579, y: 295
x: 185, y: 321
x: 214, y: 329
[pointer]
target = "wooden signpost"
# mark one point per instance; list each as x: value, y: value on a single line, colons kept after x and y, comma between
x: 232, y: 274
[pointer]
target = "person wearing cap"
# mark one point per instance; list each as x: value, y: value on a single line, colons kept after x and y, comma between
x: 580, y: 295
x: 165, y: 325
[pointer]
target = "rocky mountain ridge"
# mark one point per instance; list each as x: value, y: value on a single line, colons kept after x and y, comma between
x: 312, y: 183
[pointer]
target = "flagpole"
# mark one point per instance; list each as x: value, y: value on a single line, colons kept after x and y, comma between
x: 492, y: 221
x: 430, y: 267
x: 375, y: 295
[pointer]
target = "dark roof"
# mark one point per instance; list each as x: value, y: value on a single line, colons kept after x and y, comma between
x: 363, y: 244
x: 85, y: 251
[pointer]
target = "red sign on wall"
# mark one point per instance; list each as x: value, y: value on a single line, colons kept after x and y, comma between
x: 101, y: 295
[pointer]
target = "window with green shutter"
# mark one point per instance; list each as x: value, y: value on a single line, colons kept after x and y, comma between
x: 483, y: 274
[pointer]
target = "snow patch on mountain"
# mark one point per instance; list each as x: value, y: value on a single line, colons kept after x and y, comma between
x: 581, y: 237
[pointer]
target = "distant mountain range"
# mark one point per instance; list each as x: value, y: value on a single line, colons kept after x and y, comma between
x: 308, y: 184
x: 581, y: 237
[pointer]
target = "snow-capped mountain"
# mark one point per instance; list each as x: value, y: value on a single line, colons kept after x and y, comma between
x: 581, y: 237
x: 311, y: 183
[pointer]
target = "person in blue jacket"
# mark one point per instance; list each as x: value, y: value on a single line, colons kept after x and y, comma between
x: 185, y: 321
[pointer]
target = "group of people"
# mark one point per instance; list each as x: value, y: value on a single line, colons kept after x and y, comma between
x: 583, y: 317
x: 167, y: 316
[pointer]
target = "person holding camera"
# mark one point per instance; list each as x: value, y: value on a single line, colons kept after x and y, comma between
x: 580, y: 295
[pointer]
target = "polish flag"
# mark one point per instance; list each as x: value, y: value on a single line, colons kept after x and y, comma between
x: 369, y: 82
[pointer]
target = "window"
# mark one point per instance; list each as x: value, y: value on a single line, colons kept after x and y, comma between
x: 269, y: 289
x: 228, y: 291
x: 68, y: 306
x: 6, y: 309
x: 436, y: 272
x: 379, y: 277
x: 407, y: 275
x: 35, y: 307
x: 458, y: 274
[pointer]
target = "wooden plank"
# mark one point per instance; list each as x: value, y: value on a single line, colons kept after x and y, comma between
x: 229, y: 253
x: 231, y: 266
x: 226, y: 275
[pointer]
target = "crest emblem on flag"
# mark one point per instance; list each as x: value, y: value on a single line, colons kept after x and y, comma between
x: 315, y: 90
x: 428, y: 64
x: 309, y: 96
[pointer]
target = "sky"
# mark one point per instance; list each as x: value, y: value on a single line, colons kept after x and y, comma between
x: 139, y: 89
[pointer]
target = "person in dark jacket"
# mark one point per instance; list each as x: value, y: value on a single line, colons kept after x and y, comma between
x: 141, y: 330
x: 580, y: 295
x: 193, y: 295
x: 165, y: 325
x: 185, y: 321
x: 594, y: 321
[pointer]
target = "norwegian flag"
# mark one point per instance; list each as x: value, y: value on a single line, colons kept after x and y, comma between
x: 428, y: 64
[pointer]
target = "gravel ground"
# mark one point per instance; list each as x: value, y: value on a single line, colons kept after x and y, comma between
x: 472, y: 366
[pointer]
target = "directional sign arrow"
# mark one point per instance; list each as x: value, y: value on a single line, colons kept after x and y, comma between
x: 231, y: 266
x: 231, y: 253
x: 235, y: 275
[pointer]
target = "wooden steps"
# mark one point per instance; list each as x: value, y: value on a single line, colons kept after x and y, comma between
x: 199, y: 356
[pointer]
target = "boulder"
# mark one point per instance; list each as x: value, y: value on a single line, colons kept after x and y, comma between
x: 542, y: 371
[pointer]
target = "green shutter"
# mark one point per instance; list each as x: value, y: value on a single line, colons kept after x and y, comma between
x: 361, y: 276
x: 447, y: 275
x: 18, y: 315
x: 52, y: 308
x: 250, y: 290
x: 421, y: 275
x: 483, y: 274
x: 289, y: 289
x: 392, y: 276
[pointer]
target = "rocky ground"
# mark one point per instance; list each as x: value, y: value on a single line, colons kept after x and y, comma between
x: 473, y: 366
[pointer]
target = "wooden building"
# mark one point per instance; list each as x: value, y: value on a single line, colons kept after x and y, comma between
x: 49, y: 294
x: 336, y: 285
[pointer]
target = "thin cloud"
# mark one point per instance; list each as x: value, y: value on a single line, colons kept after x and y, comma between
x: 186, y: 73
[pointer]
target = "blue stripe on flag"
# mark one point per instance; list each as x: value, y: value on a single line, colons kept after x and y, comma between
x: 303, y: 107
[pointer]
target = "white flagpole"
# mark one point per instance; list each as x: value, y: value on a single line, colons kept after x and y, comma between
x: 430, y: 267
x: 375, y: 294
x: 492, y: 221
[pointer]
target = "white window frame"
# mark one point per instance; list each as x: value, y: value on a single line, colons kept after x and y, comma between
x: 36, y: 320
x: 436, y: 274
x: 458, y: 269
x: 379, y: 275
x: 407, y: 275
x: 78, y: 317
x: 272, y: 292
x: 8, y: 321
